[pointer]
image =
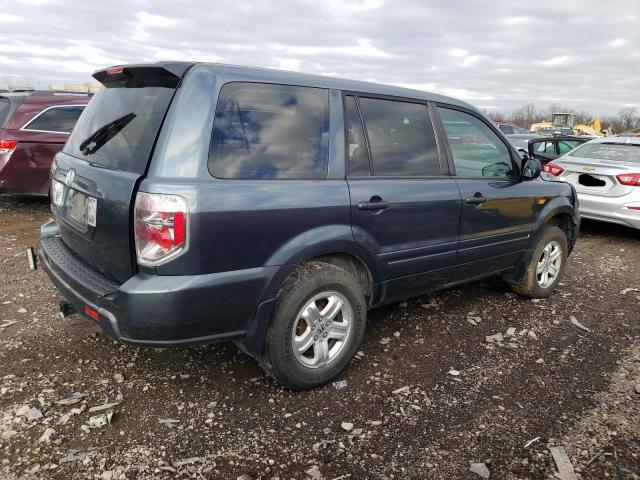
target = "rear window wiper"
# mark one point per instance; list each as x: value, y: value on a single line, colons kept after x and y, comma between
x: 105, y: 133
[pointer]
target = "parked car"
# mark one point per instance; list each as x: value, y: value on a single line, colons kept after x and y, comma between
x: 521, y: 140
x: 511, y: 128
x: 546, y: 149
x: 606, y: 175
x: 33, y: 128
x: 196, y: 203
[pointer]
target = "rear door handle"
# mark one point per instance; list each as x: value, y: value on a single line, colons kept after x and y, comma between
x: 374, y: 205
x: 477, y: 199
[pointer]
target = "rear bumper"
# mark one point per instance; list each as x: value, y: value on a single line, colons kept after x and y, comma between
x: 157, y: 310
x: 611, y: 209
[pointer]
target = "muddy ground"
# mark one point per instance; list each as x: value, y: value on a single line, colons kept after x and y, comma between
x: 209, y: 412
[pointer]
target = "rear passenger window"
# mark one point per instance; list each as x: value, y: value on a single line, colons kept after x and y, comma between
x: 401, y: 138
x: 265, y: 131
x: 56, y: 119
x: 356, y: 143
x: 477, y: 151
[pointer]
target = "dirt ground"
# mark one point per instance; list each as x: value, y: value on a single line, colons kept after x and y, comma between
x: 210, y: 412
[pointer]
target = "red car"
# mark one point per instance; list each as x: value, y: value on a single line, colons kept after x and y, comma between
x: 34, y: 126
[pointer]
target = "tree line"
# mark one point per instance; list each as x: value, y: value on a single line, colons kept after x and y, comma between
x: 627, y: 119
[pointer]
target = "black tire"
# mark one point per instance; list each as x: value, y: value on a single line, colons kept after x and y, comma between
x: 278, y: 358
x: 529, y: 285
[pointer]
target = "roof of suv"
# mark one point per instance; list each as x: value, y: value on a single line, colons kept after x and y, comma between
x: 259, y: 74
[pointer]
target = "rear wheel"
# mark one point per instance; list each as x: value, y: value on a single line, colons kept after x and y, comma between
x: 318, y: 324
x: 546, y: 265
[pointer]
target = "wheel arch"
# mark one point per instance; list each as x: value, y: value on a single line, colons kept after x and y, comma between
x: 559, y: 212
x: 329, y: 245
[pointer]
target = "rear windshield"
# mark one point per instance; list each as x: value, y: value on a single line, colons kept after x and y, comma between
x: 5, y: 106
x: 608, y: 151
x: 133, y: 115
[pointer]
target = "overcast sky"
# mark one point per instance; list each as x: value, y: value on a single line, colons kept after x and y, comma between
x: 584, y: 54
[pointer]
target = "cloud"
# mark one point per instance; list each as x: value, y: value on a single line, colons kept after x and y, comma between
x: 151, y: 20
x: 555, y: 61
x: 517, y: 20
x: 10, y: 18
x: 617, y: 42
x: 363, y: 48
x: 500, y: 54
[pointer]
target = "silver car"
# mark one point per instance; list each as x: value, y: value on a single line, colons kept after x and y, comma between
x: 606, y: 174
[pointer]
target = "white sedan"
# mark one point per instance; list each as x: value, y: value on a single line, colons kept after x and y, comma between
x: 606, y: 175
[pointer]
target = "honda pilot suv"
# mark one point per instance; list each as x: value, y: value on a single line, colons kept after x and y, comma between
x: 196, y: 203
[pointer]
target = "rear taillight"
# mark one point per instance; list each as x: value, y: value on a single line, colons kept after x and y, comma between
x: 629, y: 179
x: 7, y: 147
x: 160, y: 223
x: 554, y: 170
x: 57, y: 192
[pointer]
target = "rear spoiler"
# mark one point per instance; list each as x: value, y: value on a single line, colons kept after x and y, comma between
x: 161, y: 74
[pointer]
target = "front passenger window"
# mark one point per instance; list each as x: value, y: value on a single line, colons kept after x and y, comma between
x: 477, y: 151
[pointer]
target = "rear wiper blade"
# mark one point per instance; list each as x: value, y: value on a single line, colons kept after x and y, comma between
x: 105, y: 133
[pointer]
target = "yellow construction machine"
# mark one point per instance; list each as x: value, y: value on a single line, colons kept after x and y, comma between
x: 565, y: 120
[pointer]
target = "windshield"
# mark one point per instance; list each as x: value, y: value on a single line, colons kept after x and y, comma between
x: 621, y: 152
x: 128, y: 146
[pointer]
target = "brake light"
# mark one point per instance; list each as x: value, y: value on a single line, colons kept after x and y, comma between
x: 115, y: 70
x: 7, y: 146
x: 160, y: 224
x: 554, y: 170
x: 629, y: 179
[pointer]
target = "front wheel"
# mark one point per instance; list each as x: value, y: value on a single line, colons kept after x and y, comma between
x: 318, y: 324
x: 546, y: 265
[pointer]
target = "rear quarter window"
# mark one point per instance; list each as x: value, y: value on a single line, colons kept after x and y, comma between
x: 267, y: 131
x: 60, y: 119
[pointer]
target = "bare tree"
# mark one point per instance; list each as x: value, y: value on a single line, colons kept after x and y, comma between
x: 628, y: 119
x: 525, y: 115
x: 495, y: 115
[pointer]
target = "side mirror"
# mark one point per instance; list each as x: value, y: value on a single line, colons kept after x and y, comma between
x: 531, y: 169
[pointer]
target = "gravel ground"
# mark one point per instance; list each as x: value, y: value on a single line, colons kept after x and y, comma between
x: 427, y: 396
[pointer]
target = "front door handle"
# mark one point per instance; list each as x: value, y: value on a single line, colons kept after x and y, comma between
x: 374, y: 204
x: 477, y: 199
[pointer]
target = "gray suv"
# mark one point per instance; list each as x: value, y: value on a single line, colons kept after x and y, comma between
x: 196, y: 203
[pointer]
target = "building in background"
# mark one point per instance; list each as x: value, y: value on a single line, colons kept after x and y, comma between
x: 87, y: 87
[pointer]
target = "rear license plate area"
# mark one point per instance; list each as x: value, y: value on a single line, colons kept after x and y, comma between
x: 587, y: 180
x: 81, y: 208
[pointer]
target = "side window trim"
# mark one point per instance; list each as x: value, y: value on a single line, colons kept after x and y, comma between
x: 345, y: 96
x: 441, y: 131
x: 445, y: 169
x: 26, y: 128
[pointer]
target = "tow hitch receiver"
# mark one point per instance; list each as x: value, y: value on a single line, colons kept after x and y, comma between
x: 67, y: 308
